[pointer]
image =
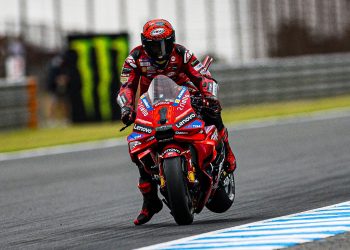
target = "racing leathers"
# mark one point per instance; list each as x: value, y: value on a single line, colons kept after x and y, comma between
x: 182, y: 67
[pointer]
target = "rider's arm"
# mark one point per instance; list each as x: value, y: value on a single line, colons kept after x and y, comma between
x: 194, y: 69
x: 129, y: 79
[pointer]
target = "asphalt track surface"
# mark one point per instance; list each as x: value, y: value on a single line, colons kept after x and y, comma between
x: 88, y: 200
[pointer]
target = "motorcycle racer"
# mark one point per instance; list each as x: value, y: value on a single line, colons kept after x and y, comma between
x: 160, y: 55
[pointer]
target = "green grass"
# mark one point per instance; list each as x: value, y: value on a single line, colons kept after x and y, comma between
x: 28, y: 138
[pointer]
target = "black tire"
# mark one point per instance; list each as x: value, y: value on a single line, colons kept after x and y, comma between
x: 223, y: 197
x: 179, y: 199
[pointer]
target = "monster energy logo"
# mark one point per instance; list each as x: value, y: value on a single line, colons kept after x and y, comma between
x: 98, y: 58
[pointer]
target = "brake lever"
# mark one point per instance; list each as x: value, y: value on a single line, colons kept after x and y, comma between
x: 127, y: 125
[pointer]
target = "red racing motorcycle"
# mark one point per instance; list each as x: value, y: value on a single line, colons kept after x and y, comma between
x: 183, y: 155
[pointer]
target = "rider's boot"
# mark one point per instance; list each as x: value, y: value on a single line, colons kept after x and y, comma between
x: 230, y: 159
x: 151, y: 202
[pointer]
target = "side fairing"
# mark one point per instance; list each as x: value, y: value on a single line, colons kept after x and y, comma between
x: 142, y: 136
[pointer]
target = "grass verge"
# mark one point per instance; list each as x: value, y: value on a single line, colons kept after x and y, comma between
x: 28, y: 139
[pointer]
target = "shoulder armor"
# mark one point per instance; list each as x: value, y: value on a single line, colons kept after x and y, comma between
x: 135, y: 53
x: 185, y: 53
x: 180, y: 49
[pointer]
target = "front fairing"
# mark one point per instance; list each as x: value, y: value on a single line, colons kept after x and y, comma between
x: 165, y: 106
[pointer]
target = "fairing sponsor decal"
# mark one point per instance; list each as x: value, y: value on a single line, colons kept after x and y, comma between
x: 134, y: 136
x: 143, y: 110
x: 171, y: 150
x: 185, y: 120
x: 142, y: 128
x: 179, y: 96
x: 183, y: 102
x: 146, y: 103
x: 195, y: 124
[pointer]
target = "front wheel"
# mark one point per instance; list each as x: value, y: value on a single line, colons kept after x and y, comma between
x: 224, y: 196
x: 178, y: 195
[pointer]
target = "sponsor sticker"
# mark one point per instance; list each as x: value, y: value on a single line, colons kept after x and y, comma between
x: 143, y: 110
x: 185, y: 120
x: 171, y: 74
x: 180, y: 95
x: 142, y: 128
x: 198, y: 67
x: 195, y: 62
x: 183, y: 102
x: 124, y: 79
x: 145, y: 64
x: 134, y: 136
x: 121, y: 100
x: 157, y: 32
x: 126, y: 70
x: 181, y: 133
x: 130, y: 60
x: 188, y: 55
x: 171, y: 150
x: 195, y: 124
x: 215, y: 89
x: 214, y: 136
x: 182, y: 92
x: 146, y: 103
x: 210, y: 87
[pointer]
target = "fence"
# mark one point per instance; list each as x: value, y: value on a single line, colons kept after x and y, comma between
x: 284, y: 79
x: 18, y: 106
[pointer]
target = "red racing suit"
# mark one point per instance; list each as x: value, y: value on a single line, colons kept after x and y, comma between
x: 182, y: 67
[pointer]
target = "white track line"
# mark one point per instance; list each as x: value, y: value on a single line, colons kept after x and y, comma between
x: 265, y: 234
x: 252, y: 124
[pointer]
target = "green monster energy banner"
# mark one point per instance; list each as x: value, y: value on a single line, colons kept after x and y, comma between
x: 95, y: 63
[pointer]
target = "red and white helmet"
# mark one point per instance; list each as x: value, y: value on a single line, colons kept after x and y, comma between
x: 158, y: 37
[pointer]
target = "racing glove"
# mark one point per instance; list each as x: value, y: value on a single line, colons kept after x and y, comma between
x: 128, y: 115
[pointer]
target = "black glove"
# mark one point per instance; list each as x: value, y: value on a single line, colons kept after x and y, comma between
x: 211, y: 107
x: 128, y: 115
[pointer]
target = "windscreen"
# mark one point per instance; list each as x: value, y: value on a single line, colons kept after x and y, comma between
x: 163, y: 89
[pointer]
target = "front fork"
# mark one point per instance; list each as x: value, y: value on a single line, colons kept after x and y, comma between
x: 153, y: 163
x: 189, y: 170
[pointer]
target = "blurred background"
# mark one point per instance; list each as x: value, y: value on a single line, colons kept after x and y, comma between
x: 60, y: 59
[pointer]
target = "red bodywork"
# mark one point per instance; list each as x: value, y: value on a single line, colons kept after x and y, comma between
x: 171, y: 129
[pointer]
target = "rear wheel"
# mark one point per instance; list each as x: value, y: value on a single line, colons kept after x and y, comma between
x: 178, y: 195
x: 224, y: 196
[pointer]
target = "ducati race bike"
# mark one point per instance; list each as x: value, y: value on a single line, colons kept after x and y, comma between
x: 183, y: 155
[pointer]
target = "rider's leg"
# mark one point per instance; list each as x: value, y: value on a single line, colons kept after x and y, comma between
x: 151, y: 202
x: 230, y: 159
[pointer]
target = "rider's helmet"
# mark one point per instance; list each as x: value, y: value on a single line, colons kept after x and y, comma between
x: 158, y: 37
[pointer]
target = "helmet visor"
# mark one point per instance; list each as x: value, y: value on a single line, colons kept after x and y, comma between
x: 159, y: 49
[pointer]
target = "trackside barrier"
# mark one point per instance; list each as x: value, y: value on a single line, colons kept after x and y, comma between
x: 276, y: 80
x: 18, y: 105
